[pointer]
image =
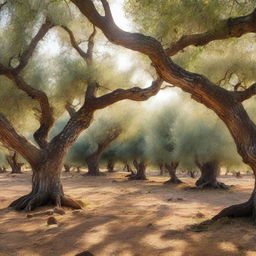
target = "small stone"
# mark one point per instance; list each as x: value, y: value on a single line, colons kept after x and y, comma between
x: 200, y: 215
x: 149, y: 225
x: 169, y: 199
x: 29, y: 215
x: 180, y: 199
x: 114, y: 181
x: 85, y: 253
x: 59, y: 211
x: 52, y: 221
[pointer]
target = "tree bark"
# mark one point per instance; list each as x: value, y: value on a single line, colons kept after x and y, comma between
x: 47, y: 161
x: 46, y: 188
x: 171, y: 168
x: 93, y: 159
x: 208, y: 178
x: 141, y: 170
x: 93, y: 165
x: 13, y: 162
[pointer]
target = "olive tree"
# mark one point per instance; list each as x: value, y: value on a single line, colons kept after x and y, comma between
x: 227, y: 104
x: 20, y: 59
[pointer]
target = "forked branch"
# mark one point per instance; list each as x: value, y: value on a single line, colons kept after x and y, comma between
x: 46, y: 117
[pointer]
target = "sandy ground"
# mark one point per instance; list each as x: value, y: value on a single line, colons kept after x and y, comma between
x: 127, y: 218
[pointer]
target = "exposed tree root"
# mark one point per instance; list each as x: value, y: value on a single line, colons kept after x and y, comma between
x: 94, y: 174
x: 213, y: 184
x: 137, y: 177
x: 246, y: 209
x: 31, y: 201
x: 69, y: 202
x: 173, y: 181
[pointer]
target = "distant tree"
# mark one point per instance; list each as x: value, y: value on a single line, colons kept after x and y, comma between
x: 202, y: 142
x: 13, y: 161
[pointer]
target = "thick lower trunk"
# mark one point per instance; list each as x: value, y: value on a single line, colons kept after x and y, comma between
x: 110, y: 166
x: 13, y: 162
x: 247, y: 209
x: 171, y: 168
x: 141, y: 171
x: 208, y: 178
x: 93, y: 165
x: 46, y: 189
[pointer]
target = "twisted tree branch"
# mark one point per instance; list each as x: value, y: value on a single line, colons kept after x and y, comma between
x: 46, y: 117
x: 26, y: 55
x: 10, y: 138
x: 232, y: 27
x: 245, y: 94
x: 135, y: 93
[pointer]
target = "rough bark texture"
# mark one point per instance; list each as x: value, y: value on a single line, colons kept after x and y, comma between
x: 240, y: 210
x: 208, y: 178
x: 140, y: 167
x: 46, y: 188
x: 171, y: 168
x: 93, y: 165
x: 13, y: 162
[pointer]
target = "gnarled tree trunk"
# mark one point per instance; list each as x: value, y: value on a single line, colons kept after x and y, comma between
x: 13, y: 162
x: 171, y: 168
x: 93, y: 165
x: 209, y: 173
x: 141, y: 170
x: 46, y: 188
x: 93, y: 159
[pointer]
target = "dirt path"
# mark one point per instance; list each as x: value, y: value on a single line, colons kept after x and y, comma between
x: 127, y: 218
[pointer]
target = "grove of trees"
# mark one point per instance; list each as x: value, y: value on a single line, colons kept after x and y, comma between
x: 49, y: 98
